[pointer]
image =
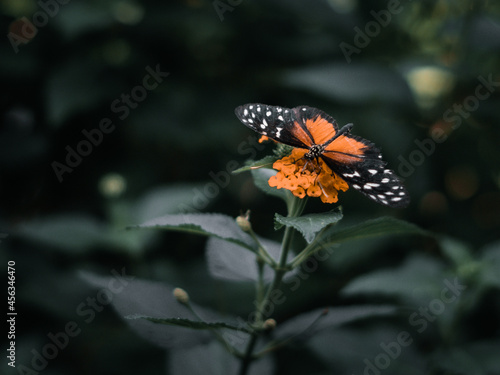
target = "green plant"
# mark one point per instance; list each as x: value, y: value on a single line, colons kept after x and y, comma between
x: 168, y: 317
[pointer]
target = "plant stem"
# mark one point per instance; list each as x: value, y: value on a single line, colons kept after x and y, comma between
x: 295, y: 208
x: 260, y: 288
x: 309, y: 250
x: 261, y: 250
x: 216, y: 333
x: 247, y: 357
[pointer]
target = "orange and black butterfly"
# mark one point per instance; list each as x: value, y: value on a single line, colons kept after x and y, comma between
x: 352, y: 158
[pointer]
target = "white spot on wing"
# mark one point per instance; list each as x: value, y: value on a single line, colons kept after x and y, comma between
x: 385, y: 180
x: 268, y: 113
x: 372, y: 171
x: 245, y: 112
x: 280, y: 118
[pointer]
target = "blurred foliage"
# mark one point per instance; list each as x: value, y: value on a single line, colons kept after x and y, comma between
x: 169, y: 150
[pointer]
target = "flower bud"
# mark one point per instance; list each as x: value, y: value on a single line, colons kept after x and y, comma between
x: 269, y: 324
x: 181, y: 296
x: 243, y: 222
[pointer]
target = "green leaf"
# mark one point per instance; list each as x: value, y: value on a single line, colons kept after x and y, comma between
x: 187, y: 323
x: 230, y: 262
x: 490, y: 264
x: 308, y: 324
x: 149, y: 298
x: 72, y: 233
x: 351, y: 82
x: 419, y: 279
x: 216, y: 225
x: 310, y: 225
x: 357, y: 347
x: 265, y: 162
x: 211, y: 358
x: 261, y: 180
x: 164, y: 200
x: 371, y: 228
x: 456, y: 251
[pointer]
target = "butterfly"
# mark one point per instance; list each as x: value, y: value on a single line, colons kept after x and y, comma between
x: 354, y: 159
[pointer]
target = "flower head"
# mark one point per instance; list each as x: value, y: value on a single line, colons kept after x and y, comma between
x: 305, y: 177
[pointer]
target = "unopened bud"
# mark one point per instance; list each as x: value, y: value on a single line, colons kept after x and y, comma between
x: 269, y: 324
x: 243, y: 222
x: 181, y: 295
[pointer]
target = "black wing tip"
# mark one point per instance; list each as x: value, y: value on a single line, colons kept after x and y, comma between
x: 239, y: 109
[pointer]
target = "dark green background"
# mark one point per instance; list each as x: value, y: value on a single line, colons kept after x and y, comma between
x: 405, y: 85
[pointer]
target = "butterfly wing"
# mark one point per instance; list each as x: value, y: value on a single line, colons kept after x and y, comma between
x: 360, y: 164
x: 274, y: 122
x: 314, y: 124
x: 353, y: 158
x: 298, y: 127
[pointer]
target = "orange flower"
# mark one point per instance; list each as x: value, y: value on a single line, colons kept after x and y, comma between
x: 305, y: 177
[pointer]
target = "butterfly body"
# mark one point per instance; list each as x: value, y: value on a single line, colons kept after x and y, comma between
x: 354, y: 159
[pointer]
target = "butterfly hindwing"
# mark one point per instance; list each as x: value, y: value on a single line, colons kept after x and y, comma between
x: 371, y: 178
x: 359, y: 162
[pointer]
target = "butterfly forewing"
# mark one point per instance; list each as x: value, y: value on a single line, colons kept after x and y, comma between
x: 319, y: 126
x: 272, y: 121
